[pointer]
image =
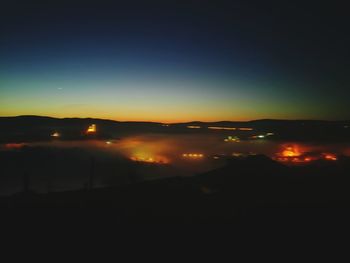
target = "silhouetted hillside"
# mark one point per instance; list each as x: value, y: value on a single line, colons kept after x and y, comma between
x: 32, y: 128
x: 247, y: 190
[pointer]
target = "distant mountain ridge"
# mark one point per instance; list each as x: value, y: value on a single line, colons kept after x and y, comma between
x: 224, y: 123
x: 33, y: 128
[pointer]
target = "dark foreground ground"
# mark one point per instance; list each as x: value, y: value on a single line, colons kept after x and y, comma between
x: 255, y: 189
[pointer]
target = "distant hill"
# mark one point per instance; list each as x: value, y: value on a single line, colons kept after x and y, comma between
x: 33, y: 119
x: 31, y: 128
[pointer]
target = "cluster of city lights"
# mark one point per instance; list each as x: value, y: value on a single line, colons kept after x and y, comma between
x: 220, y: 128
x: 291, y: 151
x: 148, y: 158
x: 293, y: 154
x: 229, y: 128
x: 193, y: 155
x: 90, y: 130
x: 232, y: 139
x: 142, y: 159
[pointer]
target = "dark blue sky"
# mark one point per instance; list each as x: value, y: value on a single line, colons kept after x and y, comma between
x: 175, y: 61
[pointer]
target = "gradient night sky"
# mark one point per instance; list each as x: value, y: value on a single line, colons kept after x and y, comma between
x: 156, y: 61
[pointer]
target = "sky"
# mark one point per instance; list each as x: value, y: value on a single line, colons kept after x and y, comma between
x: 175, y: 61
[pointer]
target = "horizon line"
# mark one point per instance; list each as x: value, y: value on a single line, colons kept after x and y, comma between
x: 184, y: 122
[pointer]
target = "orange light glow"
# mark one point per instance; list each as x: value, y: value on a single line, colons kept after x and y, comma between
x: 149, y: 159
x: 221, y: 128
x: 297, y: 154
x: 292, y: 159
x: 142, y: 159
x: 330, y: 157
x: 14, y: 146
x: 194, y: 127
x: 292, y: 154
x: 91, y: 129
x: 245, y: 129
x: 193, y: 155
x: 291, y: 151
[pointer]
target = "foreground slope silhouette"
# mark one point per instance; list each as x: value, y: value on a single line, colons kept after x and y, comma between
x: 249, y: 189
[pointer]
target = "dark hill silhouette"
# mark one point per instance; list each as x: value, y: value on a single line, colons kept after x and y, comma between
x: 254, y: 189
x: 31, y: 128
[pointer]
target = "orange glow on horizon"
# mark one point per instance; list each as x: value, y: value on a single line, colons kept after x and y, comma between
x: 118, y: 115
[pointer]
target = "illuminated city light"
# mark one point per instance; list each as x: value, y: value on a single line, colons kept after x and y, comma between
x: 108, y: 142
x: 330, y: 157
x: 291, y: 151
x: 245, y: 129
x: 291, y: 154
x: 295, y: 154
x: 149, y: 159
x: 260, y: 136
x: 292, y: 159
x: 142, y: 159
x: 193, y: 155
x: 91, y: 129
x: 232, y: 139
x: 55, y: 135
x: 193, y: 127
x: 237, y: 154
x: 165, y: 125
x: 221, y: 128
